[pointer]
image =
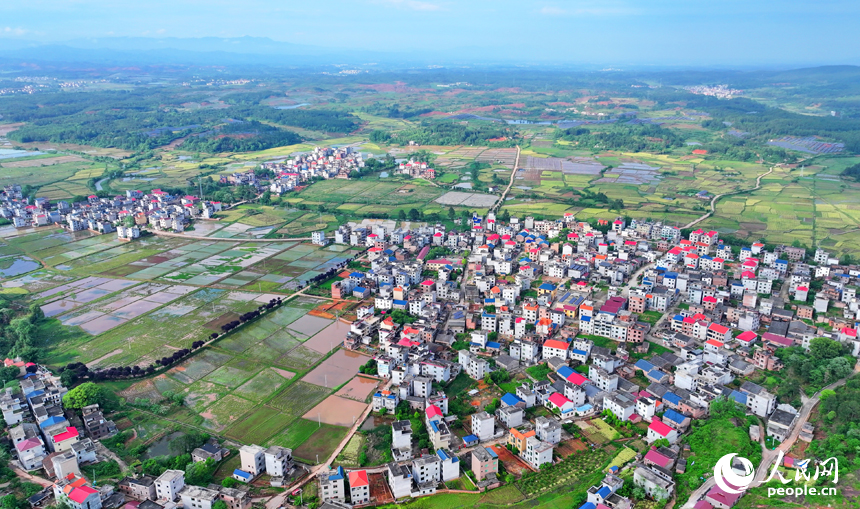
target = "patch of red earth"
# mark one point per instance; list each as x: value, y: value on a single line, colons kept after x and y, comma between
x: 433, y: 114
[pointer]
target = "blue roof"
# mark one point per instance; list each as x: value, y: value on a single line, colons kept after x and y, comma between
x: 739, y: 397
x: 338, y: 475
x: 435, y: 427
x: 527, y: 260
x: 546, y: 286
x: 565, y: 371
x: 359, y: 289
x: 782, y: 262
x: 511, y: 400
x: 584, y: 408
x: 579, y: 352
x: 441, y: 453
x: 54, y: 419
x: 674, y: 416
x: 492, y: 452
x: 644, y: 365
x: 242, y: 474
x: 604, y: 492
x: 489, y: 315
x: 585, y: 318
x: 358, y: 275
x: 493, y: 344
x: 678, y: 317
x: 673, y: 398
x: 400, y: 302
x: 656, y: 374
x: 468, y: 439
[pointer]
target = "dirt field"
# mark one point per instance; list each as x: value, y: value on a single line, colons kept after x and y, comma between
x: 513, y: 464
x: 569, y: 447
x: 380, y: 493
x: 48, y: 161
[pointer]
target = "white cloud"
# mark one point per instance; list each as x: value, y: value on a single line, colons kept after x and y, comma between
x: 161, y: 31
x: 14, y: 31
x: 415, y: 5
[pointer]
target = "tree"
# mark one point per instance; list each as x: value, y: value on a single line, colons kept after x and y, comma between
x: 824, y: 348
x: 36, y: 313
x: 200, y: 473
x: 837, y: 368
x: 401, y: 215
x: 220, y: 504
x: 228, y: 482
x: 7, y: 374
x: 84, y: 395
x: 414, y: 215
x: 451, y: 213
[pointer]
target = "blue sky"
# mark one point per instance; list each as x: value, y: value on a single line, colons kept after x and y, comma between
x: 619, y: 32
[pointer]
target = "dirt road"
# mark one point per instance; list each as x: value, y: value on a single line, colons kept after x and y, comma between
x: 717, y: 197
x: 510, y: 184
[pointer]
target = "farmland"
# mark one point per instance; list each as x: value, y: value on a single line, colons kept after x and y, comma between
x: 139, y: 305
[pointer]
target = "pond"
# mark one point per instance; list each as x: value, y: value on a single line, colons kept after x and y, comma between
x: 162, y: 446
x: 11, y: 267
x: 10, y: 153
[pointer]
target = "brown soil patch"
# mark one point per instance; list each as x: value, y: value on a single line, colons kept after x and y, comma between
x: 284, y: 373
x: 124, y: 424
x: 513, y: 464
x: 380, y: 493
x: 754, y: 227
x: 8, y: 128
x: 321, y: 314
x: 571, y: 446
x: 224, y: 319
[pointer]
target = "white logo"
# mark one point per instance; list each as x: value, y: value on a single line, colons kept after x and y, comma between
x: 728, y: 480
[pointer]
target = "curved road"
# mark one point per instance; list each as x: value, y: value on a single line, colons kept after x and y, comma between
x: 769, y: 456
x: 717, y: 197
x: 510, y: 184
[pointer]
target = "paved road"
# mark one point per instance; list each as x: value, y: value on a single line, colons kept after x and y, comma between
x: 769, y: 456
x: 510, y: 184
x: 717, y: 197
x: 99, y: 184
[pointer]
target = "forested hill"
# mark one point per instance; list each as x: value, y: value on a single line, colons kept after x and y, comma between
x: 148, y: 119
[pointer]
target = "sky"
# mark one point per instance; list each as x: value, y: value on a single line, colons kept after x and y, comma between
x: 603, y: 32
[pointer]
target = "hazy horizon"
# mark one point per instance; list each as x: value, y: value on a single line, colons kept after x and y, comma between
x: 612, y: 32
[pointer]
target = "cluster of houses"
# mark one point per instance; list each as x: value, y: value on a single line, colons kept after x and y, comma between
x: 416, y: 169
x: 551, y: 292
x: 169, y: 491
x: 42, y: 433
x: 125, y: 215
x: 326, y: 163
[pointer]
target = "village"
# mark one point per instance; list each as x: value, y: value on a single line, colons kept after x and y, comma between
x: 590, y: 327
x: 634, y: 324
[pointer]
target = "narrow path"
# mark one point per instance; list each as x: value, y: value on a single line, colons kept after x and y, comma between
x: 280, y: 499
x: 99, y: 184
x: 28, y: 477
x: 104, y: 451
x: 201, y: 237
x: 717, y: 197
x: 510, y: 184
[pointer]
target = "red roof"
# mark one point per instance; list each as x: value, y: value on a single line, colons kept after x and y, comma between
x: 80, y: 495
x: 714, y: 342
x: 719, y: 329
x: 658, y: 459
x: 848, y: 331
x: 747, y: 336
x: 71, y: 432
x: 554, y: 343
x: 700, y: 151
x: 358, y: 478
x: 558, y: 399
x: 433, y: 411
x: 661, y: 428
x: 577, y: 379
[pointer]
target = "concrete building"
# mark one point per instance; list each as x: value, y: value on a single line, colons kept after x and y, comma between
x: 169, y: 484
x: 484, y: 462
x: 252, y: 459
